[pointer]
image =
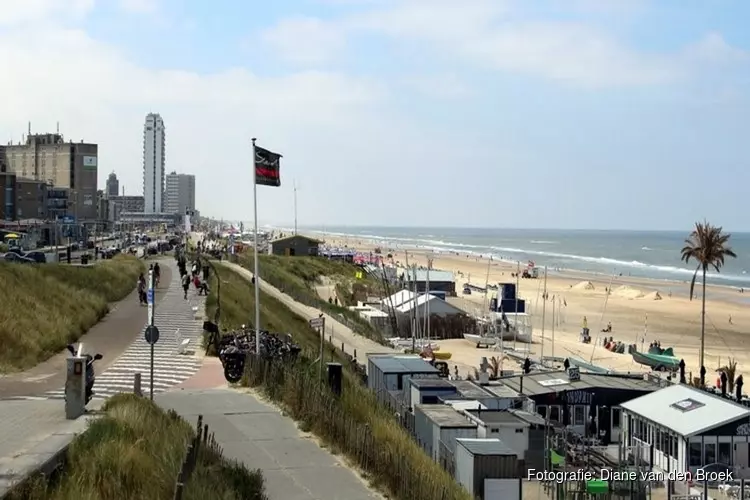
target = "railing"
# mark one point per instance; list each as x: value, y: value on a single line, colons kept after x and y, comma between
x: 202, y: 440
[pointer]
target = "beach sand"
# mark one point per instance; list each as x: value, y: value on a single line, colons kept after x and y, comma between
x: 674, y: 320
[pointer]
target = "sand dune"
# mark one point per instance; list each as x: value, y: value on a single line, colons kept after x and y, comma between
x: 584, y: 285
x: 627, y: 292
x: 652, y: 296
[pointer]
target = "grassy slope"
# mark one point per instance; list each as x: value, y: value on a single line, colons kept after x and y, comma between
x: 297, y: 277
x: 45, y: 307
x: 134, y: 452
x: 401, y: 455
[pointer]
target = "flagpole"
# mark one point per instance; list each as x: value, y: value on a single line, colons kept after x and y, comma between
x: 255, y: 255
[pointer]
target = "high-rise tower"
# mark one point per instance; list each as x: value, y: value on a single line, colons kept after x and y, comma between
x: 153, y: 163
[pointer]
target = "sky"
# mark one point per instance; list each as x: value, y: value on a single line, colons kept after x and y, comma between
x: 597, y: 114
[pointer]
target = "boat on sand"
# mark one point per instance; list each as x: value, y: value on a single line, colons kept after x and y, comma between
x: 664, y: 361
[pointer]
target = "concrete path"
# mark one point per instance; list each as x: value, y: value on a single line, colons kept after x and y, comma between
x: 336, y: 331
x: 295, y: 466
x: 33, y: 435
x: 110, y: 337
x: 176, y: 319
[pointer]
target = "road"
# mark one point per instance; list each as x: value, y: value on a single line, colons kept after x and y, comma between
x: 121, y: 331
x: 255, y: 433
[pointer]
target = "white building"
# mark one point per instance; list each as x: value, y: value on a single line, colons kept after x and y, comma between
x: 427, y: 303
x: 179, y: 193
x: 154, y: 159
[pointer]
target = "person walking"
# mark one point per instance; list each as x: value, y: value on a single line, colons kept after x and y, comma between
x: 141, y: 289
x: 185, y: 284
x: 157, y: 273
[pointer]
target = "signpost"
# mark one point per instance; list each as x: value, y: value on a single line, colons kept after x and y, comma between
x: 152, y: 332
x: 319, y: 323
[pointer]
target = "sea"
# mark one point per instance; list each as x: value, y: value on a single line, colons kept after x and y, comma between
x: 647, y: 254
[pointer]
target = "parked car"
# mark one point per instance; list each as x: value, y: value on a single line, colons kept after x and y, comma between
x: 14, y: 257
x: 38, y: 257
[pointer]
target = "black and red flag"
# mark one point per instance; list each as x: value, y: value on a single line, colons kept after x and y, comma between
x: 267, y: 166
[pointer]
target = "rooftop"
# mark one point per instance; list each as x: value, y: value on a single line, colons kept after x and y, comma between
x: 398, y: 298
x: 500, y: 390
x: 535, y: 384
x: 435, y: 275
x: 686, y: 410
x: 431, y: 383
x: 485, y: 446
x: 470, y: 390
x: 292, y: 236
x: 445, y: 416
x: 528, y: 417
x: 496, y: 417
x: 390, y: 363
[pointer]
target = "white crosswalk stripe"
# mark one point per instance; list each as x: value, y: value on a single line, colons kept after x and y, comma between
x: 175, y: 318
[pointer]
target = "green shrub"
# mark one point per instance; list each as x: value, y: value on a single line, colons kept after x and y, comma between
x: 134, y: 452
x: 45, y: 307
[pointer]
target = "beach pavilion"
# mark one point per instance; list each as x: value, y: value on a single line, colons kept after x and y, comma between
x: 687, y: 428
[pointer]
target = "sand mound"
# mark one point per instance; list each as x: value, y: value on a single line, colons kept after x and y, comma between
x: 652, y: 296
x: 584, y: 285
x: 627, y: 292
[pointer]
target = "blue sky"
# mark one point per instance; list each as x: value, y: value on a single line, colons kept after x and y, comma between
x: 558, y: 114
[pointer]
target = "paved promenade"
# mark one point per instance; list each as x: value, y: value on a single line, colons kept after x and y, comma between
x: 294, y: 465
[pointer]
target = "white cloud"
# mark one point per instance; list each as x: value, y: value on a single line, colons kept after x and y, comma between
x: 139, y: 6
x: 504, y: 35
x: 21, y: 11
x: 324, y: 123
x: 440, y: 86
x: 305, y: 40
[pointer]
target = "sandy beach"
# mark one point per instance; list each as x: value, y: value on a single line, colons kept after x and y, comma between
x: 638, y: 309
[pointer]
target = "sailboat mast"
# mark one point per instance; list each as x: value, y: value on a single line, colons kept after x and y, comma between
x: 544, y: 314
x: 515, y: 333
x: 295, y: 208
x: 427, y: 290
x: 553, y: 327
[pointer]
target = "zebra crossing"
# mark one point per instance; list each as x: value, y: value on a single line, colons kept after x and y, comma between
x: 175, y: 318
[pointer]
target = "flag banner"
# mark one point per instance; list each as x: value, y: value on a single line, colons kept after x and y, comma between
x: 267, y: 165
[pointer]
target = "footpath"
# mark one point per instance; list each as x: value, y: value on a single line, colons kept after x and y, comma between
x: 35, y: 432
x: 250, y: 431
x: 336, y: 332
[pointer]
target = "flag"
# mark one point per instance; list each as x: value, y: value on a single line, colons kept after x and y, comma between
x: 267, y: 165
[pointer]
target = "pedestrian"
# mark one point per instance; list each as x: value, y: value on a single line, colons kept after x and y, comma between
x: 141, y: 289
x: 185, y: 284
x: 157, y: 273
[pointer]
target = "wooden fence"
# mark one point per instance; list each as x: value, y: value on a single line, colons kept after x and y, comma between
x: 203, y: 440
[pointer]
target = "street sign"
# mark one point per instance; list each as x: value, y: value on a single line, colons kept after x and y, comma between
x: 150, y: 297
x: 152, y: 334
x: 317, y: 322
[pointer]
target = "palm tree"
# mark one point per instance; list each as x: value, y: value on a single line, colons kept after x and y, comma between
x: 706, y: 245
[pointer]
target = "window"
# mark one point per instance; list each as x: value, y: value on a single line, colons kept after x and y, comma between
x: 616, y: 417
x: 494, y: 431
x: 554, y: 413
x: 725, y: 453
x: 695, y: 455
x: 579, y: 417
x: 710, y: 450
x: 519, y: 431
x: 542, y: 410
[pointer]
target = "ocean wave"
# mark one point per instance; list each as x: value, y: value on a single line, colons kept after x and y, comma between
x: 544, y: 242
x: 443, y: 246
x: 646, y: 249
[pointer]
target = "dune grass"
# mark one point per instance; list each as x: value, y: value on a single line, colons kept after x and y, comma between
x: 354, y: 424
x: 44, y: 307
x: 297, y: 277
x: 134, y: 452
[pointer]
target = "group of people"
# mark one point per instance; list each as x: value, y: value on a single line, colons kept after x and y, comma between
x: 193, y: 276
x: 143, y: 286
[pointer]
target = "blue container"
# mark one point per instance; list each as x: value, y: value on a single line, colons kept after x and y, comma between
x: 508, y: 291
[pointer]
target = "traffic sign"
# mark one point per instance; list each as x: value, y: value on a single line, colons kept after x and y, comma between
x: 150, y: 296
x: 317, y: 322
x: 152, y: 334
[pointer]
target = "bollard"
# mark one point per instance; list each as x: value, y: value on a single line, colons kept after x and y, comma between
x: 342, y: 347
x: 355, y: 354
x: 137, y: 385
x: 75, y: 388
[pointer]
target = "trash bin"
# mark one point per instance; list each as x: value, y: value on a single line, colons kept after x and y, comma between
x: 85, y: 259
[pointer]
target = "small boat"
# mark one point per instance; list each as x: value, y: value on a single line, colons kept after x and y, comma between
x: 480, y: 340
x: 441, y: 355
x: 659, y: 362
x: 590, y: 367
